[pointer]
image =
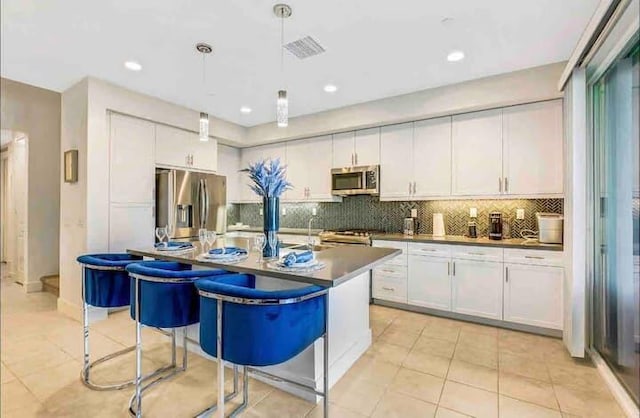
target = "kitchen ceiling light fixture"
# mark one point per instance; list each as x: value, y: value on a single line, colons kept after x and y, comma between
x: 245, y: 109
x: 455, y: 56
x: 282, y: 11
x: 204, y: 49
x: 330, y: 88
x: 133, y: 65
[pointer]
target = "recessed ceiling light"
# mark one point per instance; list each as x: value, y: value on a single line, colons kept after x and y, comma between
x: 245, y: 109
x: 330, y: 88
x: 132, y: 65
x: 455, y: 56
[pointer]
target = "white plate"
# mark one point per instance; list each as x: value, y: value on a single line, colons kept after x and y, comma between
x: 228, y: 260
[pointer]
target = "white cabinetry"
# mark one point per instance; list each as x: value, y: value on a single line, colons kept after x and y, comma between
x: 389, y: 280
x: 429, y: 276
x: 532, y: 149
x: 253, y: 155
x: 131, y: 183
x: 359, y: 148
x: 533, y: 291
x: 229, y: 166
x: 183, y: 149
x: 396, y: 162
x: 477, y: 288
x: 309, y: 169
x: 477, y: 153
x: 432, y: 158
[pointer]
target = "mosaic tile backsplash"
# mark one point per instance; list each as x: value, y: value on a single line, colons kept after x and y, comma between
x: 367, y: 212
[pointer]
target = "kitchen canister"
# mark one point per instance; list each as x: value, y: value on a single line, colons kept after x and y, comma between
x: 438, y: 225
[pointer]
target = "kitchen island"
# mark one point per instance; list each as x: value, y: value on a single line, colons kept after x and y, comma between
x: 346, y: 273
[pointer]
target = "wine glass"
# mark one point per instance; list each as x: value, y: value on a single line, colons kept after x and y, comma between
x: 273, y: 243
x: 202, y: 237
x: 161, y: 232
x: 260, y: 241
x: 171, y: 231
x: 211, y: 238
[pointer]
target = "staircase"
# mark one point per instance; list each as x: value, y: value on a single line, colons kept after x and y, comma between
x: 51, y: 284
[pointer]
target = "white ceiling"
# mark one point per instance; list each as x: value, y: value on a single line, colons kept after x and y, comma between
x: 375, y: 48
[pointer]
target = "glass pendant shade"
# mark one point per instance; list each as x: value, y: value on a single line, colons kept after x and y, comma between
x: 282, y: 109
x: 204, y: 126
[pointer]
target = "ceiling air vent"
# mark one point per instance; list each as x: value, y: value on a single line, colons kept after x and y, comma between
x: 305, y: 47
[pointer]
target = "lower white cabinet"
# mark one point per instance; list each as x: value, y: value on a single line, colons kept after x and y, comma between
x: 390, y: 283
x: 429, y: 282
x: 477, y: 288
x: 533, y: 295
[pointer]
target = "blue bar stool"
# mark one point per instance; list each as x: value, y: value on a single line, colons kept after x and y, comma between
x: 105, y: 284
x: 163, y: 295
x: 249, y: 327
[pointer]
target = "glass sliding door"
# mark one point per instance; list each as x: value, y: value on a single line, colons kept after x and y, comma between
x: 616, y: 170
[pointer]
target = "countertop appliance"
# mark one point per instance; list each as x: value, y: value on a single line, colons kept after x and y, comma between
x: 495, y: 225
x: 191, y: 200
x: 550, y: 227
x: 349, y: 181
x: 438, y: 225
x: 347, y: 237
x: 409, y: 226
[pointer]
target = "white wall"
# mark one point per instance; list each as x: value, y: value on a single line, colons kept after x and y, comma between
x: 530, y: 85
x: 36, y: 112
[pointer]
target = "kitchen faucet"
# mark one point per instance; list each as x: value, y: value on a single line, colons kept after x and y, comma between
x: 309, y: 242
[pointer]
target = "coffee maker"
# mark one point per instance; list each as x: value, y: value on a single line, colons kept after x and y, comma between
x: 495, y: 225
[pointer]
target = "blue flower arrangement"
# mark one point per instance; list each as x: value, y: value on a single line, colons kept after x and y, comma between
x: 269, y: 178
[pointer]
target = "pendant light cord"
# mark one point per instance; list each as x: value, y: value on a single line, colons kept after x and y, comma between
x: 282, y: 45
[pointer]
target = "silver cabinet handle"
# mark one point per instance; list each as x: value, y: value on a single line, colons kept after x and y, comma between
x: 506, y: 274
x: 356, y: 158
x: 475, y: 253
x: 414, y: 187
x: 391, y: 289
x: 428, y: 249
x: 409, y: 187
x: 448, y: 268
x: 535, y: 257
x: 352, y: 159
x: 506, y: 184
x: 500, y: 184
x: 388, y: 271
x: 454, y: 268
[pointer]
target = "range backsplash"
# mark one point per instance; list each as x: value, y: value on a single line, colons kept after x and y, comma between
x: 367, y: 212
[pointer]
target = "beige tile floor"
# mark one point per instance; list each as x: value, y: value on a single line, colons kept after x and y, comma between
x: 418, y: 366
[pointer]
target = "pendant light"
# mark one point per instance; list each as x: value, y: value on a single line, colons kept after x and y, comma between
x: 204, y: 49
x: 282, y: 11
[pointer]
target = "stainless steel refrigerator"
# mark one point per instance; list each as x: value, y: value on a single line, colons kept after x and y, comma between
x: 191, y: 200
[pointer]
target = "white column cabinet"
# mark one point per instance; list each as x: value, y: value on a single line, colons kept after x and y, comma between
x: 309, y: 169
x: 396, y: 162
x: 343, y: 150
x: 229, y: 166
x: 477, y: 153
x: 429, y: 283
x: 477, y: 288
x: 533, y: 148
x: 367, y: 147
x: 432, y: 158
x: 204, y: 154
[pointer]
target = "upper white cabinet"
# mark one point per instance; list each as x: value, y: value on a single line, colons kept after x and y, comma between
x: 309, y: 169
x: 416, y: 160
x: 183, y: 149
x: 229, y: 166
x: 132, y: 157
x: 477, y: 153
x: 532, y: 149
x: 432, y: 158
x: 359, y: 148
x: 396, y: 163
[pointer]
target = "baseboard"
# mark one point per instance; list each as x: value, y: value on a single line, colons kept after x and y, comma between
x: 469, y: 318
x: 75, y: 311
x: 32, y: 287
x: 627, y: 404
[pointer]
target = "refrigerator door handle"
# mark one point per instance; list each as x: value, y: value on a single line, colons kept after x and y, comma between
x: 201, y: 203
x: 171, y: 210
x: 206, y: 201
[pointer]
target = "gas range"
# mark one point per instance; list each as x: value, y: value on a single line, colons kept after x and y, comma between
x: 347, y: 237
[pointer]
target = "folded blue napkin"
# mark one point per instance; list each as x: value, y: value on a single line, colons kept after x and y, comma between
x: 228, y: 250
x: 296, y: 258
x: 174, y: 245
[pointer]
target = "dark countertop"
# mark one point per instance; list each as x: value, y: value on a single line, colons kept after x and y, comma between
x: 462, y: 240
x: 341, y: 263
x: 291, y: 231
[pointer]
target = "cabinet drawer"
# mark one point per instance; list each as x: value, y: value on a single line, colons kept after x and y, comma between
x: 390, y: 270
x: 465, y: 252
x: 431, y: 250
x: 390, y: 288
x: 534, y: 257
x: 400, y: 260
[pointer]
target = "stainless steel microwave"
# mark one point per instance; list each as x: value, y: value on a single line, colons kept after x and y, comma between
x: 355, y: 180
